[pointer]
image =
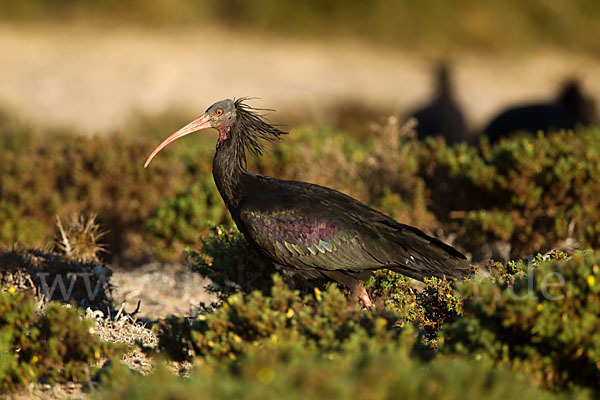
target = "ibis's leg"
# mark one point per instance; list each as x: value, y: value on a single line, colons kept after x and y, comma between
x: 362, y: 294
x: 350, y: 282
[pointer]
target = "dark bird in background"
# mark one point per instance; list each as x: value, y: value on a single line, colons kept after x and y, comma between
x: 310, y: 229
x: 571, y: 107
x: 443, y: 116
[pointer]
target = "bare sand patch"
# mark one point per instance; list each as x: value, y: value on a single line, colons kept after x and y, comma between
x: 93, y: 79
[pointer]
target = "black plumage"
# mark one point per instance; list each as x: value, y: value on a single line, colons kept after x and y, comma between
x: 443, y: 115
x: 306, y: 228
x: 571, y: 107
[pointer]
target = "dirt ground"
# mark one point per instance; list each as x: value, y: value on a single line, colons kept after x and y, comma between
x: 93, y: 79
x: 162, y: 289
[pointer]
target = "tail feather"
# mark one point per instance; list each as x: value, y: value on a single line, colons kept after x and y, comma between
x: 429, y: 256
x: 451, y: 269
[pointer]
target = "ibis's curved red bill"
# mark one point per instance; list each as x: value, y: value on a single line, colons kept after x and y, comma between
x: 199, y: 123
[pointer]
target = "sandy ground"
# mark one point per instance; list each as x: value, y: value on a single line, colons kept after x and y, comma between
x: 93, y: 79
x: 163, y: 289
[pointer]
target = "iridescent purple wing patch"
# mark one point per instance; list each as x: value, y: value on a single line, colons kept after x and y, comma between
x: 297, y: 234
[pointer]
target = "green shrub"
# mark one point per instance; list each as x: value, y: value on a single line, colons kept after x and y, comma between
x: 53, y: 346
x: 492, y: 224
x: 323, y: 321
x: 231, y: 264
x: 82, y: 175
x: 274, y: 372
x: 526, y: 190
x: 428, y: 307
x: 510, y: 320
x: 16, y: 227
x: 544, y: 320
x: 182, y: 218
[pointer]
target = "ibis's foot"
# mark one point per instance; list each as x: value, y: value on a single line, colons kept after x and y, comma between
x: 362, y: 294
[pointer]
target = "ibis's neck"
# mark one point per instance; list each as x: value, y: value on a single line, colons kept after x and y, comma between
x: 229, y: 172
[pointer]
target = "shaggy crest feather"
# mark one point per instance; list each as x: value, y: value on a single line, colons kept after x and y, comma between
x: 251, y: 127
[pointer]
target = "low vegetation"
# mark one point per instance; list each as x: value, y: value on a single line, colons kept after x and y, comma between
x: 50, y: 345
x: 543, y: 321
x: 527, y: 328
x: 539, y: 320
x: 525, y: 195
x: 275, y: 372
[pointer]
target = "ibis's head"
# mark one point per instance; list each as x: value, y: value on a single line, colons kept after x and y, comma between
x: 236, y: 122
x: 573, y: 98
x: 220, y: 116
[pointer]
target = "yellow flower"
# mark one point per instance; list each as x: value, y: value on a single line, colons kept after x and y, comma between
x: 34, y: 359
x: 237, y: 339
x: 201, y: 317
x: 317, y: 294
x: 382, y: 321
x: 265, y: 375
x: 233, y: 300
x: 290, y: 313
x: 11, y: 290
x: 540, y: 307
x: 274, y: 339
x: 591, y: 280
x: 529, y: 147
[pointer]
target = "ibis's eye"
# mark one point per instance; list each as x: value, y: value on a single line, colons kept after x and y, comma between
x: 219, y: 111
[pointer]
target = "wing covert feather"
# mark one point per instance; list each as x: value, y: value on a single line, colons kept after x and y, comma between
x: 305, y: 241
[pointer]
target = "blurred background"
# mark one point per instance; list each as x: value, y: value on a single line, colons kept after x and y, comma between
x: 93, y: 65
